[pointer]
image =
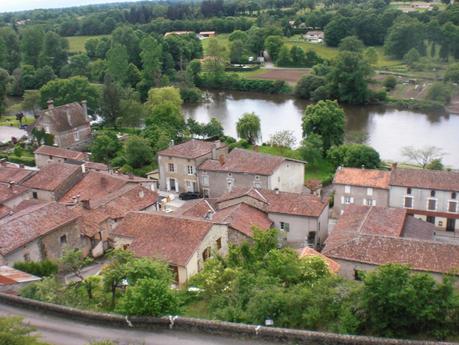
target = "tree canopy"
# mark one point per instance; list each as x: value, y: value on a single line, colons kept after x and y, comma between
x: 248, y: 127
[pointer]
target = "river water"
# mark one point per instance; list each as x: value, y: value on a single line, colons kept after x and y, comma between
x: 386, y: 129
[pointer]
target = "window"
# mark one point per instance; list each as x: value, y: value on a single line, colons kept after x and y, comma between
x: 171, y: 167
x: 347, y: 200
x: 369, y: 191
x: 408, y: 191
x: 368, y: 202
x: 358, y: 274
x: 453, y: 195
x: 50, y: 157
x: 76, y: 135
x: 432, y: 204
x: 450, y: 224
x: 219, y: 243
x: 206, y: 253
x: 34, y: 195
x: 430, y: 219
x: 63, y: 239
x: 347, y: 189
x: 285, y: 226
x: 205, y: 180
x: 230, y: 174
x: 452, y: 206
x: 311, y: 237
x: 27, y: 257
x: 432, y: 193
x: 190, y: 169
x: 205, y: 193
x: 257, y: 177
x: 408, y: 202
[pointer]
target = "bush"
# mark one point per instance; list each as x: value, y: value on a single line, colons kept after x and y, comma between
x: 440, y: 92
x: 43, y: 268
x: 191, y: 94
x: 390, y: 83
x: 354, y: 155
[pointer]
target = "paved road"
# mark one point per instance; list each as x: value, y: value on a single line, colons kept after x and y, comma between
x: 66, y: 332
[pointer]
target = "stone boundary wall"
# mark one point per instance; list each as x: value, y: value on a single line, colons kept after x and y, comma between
x: 179, y: 323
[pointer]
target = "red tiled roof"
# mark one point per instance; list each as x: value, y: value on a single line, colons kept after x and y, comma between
x: 428, y: 179
x: 96, y: 166
x: 362, y: 177
x: 60, y: 152
x: 11, y: 275
x: 52, y: 176
x: 372, y: 235
x: 171, y: 239
x: 8, y: 191
x: 29, y: 224
x: 241, y: 217
x: 65, y: 117
x: 245, y: 161
x: 18, y: 175
x: 191, y: 149
x: 332, y: 265
x: 299, y: 204
x: 96, y: 185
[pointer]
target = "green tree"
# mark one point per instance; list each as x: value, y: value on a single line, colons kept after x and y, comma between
x: 78, y: 65
x: 216, y: 59
x: 14, y: 332
x: 126, y: 36
x: 351, y: 44
x: 398, y: 303
x: 452, y: 73
x: 73, y: 261
x: 435, y: 164
x: 238, y: 35
x: 151, y: 55
x: 298, y: 57
x: 116, y: 272
x: 405, y: 34
x: 273, y: 45
x: 31, y: 45
x: 54, y: 51
x: 307, y: 85
x: 213, y: 129
x: 440, y: 92
x: 43, y: 75
x: 105, y: 147
x: 138, y: 152
x: 337, y: 29
x: 411, y: 57
x: 371, y: 56
x: 311, y: 149
x: 248, y: 127
x: 354, y: 155
x: 110, y: 109
x: 75, y: 89
x: 118, y: 64
x: 390, y: 82
x: 283, y: 58
x: 4, y: 81
x: 348, y: 79
x: 12, y: 55
x: 237, y: 52
x: 255, y: 40
x: 325, y: 119
x: 162, y: 95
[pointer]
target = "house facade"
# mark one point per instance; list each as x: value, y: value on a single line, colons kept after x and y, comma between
x: 367, y: 187
x: 178, y: 164
x: 429, y: 195
x: 183, y: 243
x: 246, y: 169
x: 69, y: 124
x: 45, y: 155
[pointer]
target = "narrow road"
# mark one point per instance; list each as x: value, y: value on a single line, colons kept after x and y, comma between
x: 59, y: 331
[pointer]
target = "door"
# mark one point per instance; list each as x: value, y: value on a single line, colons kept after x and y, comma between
x: 190, y: 186
x: 173, y: 185
x: 451, y: 224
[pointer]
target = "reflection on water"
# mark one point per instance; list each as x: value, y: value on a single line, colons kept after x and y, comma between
x: 387, y: 129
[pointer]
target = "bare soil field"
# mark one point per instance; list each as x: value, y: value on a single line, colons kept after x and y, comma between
x: 290, y: 75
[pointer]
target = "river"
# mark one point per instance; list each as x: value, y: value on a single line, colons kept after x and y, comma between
x: 386, y: 129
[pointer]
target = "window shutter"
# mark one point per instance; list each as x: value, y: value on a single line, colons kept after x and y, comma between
x: 168, y: 185
x: 364, y: 201
x: 352, y: 200
x: 342, y: 199
x: 374, y: 202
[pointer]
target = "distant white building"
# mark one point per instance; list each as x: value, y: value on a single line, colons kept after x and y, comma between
x: 315, y: 36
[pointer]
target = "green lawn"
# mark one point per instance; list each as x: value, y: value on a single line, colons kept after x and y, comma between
x: 76, y: 43
x: 222, y: 39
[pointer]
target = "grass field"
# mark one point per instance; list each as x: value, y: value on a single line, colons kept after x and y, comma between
x: 76, y: 43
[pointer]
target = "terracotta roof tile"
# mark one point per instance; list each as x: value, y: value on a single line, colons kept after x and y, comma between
x: 60, y: 152
x: 8, y: 191
x: 428, y: 179
x: 362, y: 177
x: 96, y: 166
x: 372, y: 235
x: 18, y: 175
x: 171, y: 239
x: 65, y: 117
x: 245, y: 161
x: 332, y: 265
x: 29, y: 224
x: 16, y: 276
x: 191, y: 149
x: 52, y: 176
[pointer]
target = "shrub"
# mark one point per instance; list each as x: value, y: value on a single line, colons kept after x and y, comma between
x: 390, y: 83
x: 43, y: 268
x: 440, y: 92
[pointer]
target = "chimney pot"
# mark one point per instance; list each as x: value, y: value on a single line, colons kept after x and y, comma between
x: 84, y: 104
x: 50, y: 104
x: 222, y: 159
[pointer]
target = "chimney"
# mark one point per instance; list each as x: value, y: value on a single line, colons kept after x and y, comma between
x: 50, y: 104
x: 131, y: 176
x: 84, y: 104
x: 214, y: 152
x: 85, y: 203
x: 83, y: 168
x: 209, y: 215
x: 11, y: 184
x: 394, y: 166
x: 21, y: 166
x: 222, y: 159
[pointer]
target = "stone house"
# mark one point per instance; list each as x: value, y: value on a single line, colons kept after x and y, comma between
x: 69, y: 124
x: 102, y: 200
x: 366, y: 237
x: 45, y: 155
x: 245, y: 169
x: 54, y: 180
x: 302, y: 218
x: 368, y: 187
x: 12, y: 173
x: 41, y: 231
x: 240, y: 218
x: 11, y: 195
x: 183, y: 243
x: 178, y: 164
x: 430, y: 195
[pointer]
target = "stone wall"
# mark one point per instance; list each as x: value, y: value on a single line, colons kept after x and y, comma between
x: 206, y: 326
